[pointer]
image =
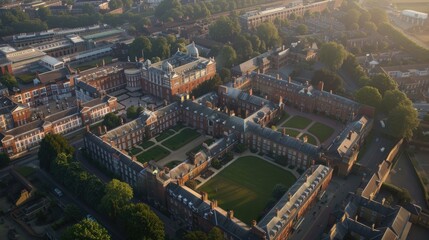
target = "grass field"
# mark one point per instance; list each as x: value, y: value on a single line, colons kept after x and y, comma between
x: 147, y: 144
x: 246, y: 186
x: 297, y: 122
x: 321, y: 131
x: 25, y: 171
x: 165, y: 135
x: 181, y: 139
x: 178, y: 127
x: 135, y: 151
x: 156, y: 153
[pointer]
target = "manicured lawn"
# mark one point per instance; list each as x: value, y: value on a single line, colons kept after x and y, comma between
x: 172, y: 164
x: 297, y: 122
x: 147, y: 144
x: 310, y: 139
x: 25, y: 171
x: 181, y: 139
x: 290, y: 132
x: 165, y: 135
x: 26, y: 78
x: 156, y: 153
x: 246, y: 186
x: 135, y: 151
x: 178, y: 127
x: 321, y: 131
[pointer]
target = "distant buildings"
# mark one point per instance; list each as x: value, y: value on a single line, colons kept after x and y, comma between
x: 414, y: 17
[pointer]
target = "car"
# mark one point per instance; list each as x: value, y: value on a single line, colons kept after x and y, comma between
x: 58, y: 192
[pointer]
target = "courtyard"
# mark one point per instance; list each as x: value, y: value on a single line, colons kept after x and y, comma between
x: 246, y: 184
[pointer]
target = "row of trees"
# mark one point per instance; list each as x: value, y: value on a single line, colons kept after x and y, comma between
x: 156, y: 48
x: 113, y: 199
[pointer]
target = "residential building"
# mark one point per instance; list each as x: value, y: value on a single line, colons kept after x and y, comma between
x: 108, y: 78
x: 414, y: 17
x: 12, y: 114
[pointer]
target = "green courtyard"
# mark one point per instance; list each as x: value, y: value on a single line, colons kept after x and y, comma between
x: 321, y: 131
x: 297, y: 122
x: 181, y: 139
x: 246, y: 186
x: 156, y: 153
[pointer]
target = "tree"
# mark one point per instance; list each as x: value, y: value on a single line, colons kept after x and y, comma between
x: 140, y: 222
x: 215, y: 234
x: 243, y: 47
x: 394, y: 98
x: 195, y: 235
x: 368, y: 95
x: 86, y: 230
x: 8, y: 80
x: 369, y: 27
x: 72, y: 213
x: 117, y: 194
x: 351, y: 18
x: 227, y: 56
x: 114, y: 4
x: 332, y: 55
x: 111, y: 121
x: 302, y: 29
x: 224, y: 29
x: 43, y: 13
x: 225, y: 75
x: 378, y: 16
x: 141, y: 45
x: 50, y: 146
x: 383, y: 83
x: 160, y: 47
x: 4, y: 160
x: 331, y: 80
x: 133, y: 112
x: 402, y: 121
x: 269, y: 34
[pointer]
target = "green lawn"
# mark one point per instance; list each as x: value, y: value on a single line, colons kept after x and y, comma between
x: 172, y: 164
x: 181, y: 139
x: 135, y: 151
x: 178, y: 127
x: 25, y: 171
x: 156, y: 153
x: 147, y: 144
x: 321, y: 131
x: 26, y: 78
x: 290, y: 132
x: 310, y: 139
x: 246, y: 186
x: 297, y: 122
x: 165, y: 135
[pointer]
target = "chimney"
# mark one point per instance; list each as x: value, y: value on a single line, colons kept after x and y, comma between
x: 230, y: 214
x: 105, y: 129
x: 289, y: 79
x: 349, y: 136
x: 289, y: 196
x: 356, y: 218
x: 87, y: 128
x: 278, y: 76
x: 134, y: 158
x: 373, y: 226
x: 253, y: 223
x: 320, y: 85
x: 204, y: 196
x: 104, y: 138
x: 383, y: 201
x: 213, y: 204
x: 305, y: 138
x: 193, y: 98
x: 99, y: 130
x: 250, y: 92
x: 330, y: 91
x: 284, y: 131
x: 277, y: 212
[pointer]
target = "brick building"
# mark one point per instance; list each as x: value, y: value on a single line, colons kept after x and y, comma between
x: 108, y: 78
x: 12, y: 114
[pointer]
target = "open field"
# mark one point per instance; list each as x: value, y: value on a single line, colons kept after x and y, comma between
x: 321, y: 131
x: 297, y: 122
x: 246, y: 186
x: 156, y: 153
x: 181, y: 139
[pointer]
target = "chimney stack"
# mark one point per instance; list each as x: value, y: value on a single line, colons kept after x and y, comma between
x: 284, y: 131
x: 251, y: 92
x: 277, y: 212
x: 105, y: 129
x: 213, y: 204
x: 320, y: 85
x: 278, y: 76
x: 204, y: 196
x: 330, y: 91
x: 99, y: 130
x: 305, y: 138
x: 230, y: 214
x: 289, y: 79
x: 373, y: 226
x: 289, y: 196
x: 383, y: 201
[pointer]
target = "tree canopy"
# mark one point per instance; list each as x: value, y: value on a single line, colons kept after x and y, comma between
x: 111, y: 121
x: 383, y: 83
x: 117, y: 194
x: 394, y: 98
x: 86, y: 230
x: 227, y: 57
x: 224, y: 29
x: 331, y: 80
x: 369, y: 96
x: 332, y: 55
x: 141, y: 223
x: 133, y: 111
x: 402, y: 121
x: 268, y: 33
x: 50, y: 146
x: 8, y: 80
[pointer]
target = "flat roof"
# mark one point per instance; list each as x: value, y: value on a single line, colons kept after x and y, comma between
x: 51, y: 60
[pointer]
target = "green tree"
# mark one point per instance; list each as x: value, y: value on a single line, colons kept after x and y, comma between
x: 227, y: 57
x: 117, y: 194
x: 331, y: 80
x: 351, y: 18
x: 269, y: 34
x: 50, y: 146
x: 383, y: 83
x: 133, y: 112
x: 111, y: 121
x: 332, y: 55
x: 140, y: 45
x: 224, y: 29
x: 301, y: 29
x: 215, y: 234
x: 8, y: 80
x: 394, y: 98
x: 402, y: 121
x: 369, y: 27
x: 141, y: 223
x: 378, y: 16
x: 160, y: 47
x: 43, y: 13
x: 169, y: 9
x: 4, y: 160
x: 114, y: 4
x: 86, y: 230
x: 368, y: 95
x: 195, y: 235
x: 225, y: 75
x: 243, y: 47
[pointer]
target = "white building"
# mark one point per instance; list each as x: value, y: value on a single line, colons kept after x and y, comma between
x: 414, y: 17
